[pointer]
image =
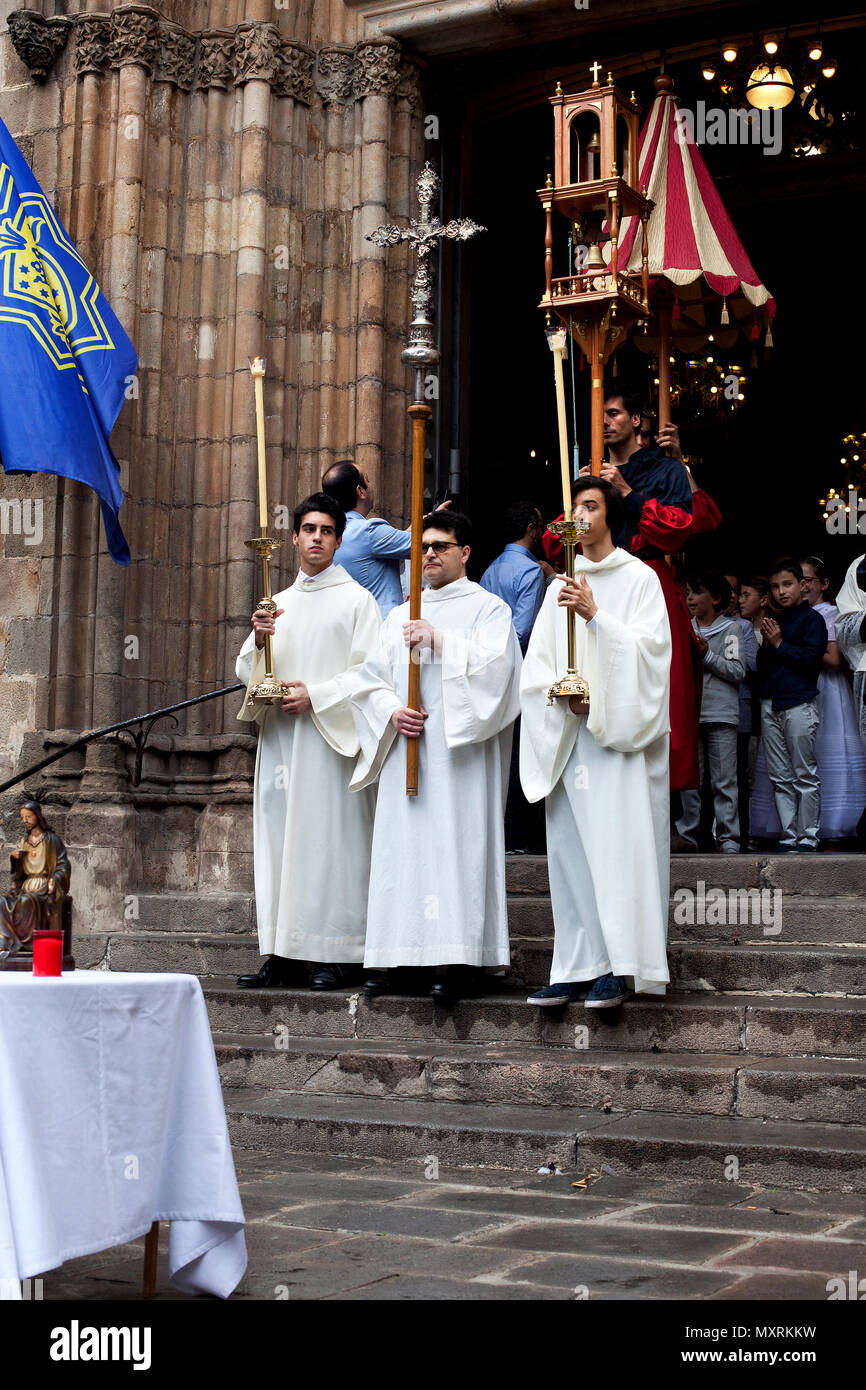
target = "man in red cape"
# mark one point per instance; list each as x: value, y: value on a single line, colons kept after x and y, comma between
x: 664, y: 509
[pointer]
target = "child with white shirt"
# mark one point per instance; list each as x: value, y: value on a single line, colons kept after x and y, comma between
x: 720, y: 640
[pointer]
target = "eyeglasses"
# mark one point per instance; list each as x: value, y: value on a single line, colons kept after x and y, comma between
x: 439, y: 547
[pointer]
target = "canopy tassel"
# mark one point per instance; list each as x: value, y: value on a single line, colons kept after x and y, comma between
x: 725, y: 316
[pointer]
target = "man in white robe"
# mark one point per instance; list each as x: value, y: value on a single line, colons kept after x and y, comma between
x: 603, y: 769
x: 311, y: 839
x: 437, y: 877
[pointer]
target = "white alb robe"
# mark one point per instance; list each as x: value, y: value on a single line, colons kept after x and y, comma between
x: 437, y: 877
x: 605, y: 775
x: 311, y: 839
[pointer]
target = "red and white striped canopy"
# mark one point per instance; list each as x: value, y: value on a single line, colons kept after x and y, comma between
x: 689, y: 232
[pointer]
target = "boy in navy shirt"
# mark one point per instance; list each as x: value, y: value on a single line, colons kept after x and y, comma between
x: 789, y: 663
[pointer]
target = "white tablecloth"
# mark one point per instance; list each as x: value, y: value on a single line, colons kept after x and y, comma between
x: 112, y: 1117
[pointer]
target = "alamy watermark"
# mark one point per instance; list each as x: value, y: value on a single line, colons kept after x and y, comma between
x: 22, y: 517
x: 846, y: 518
x: 717, y: 126
x: 715, y: 907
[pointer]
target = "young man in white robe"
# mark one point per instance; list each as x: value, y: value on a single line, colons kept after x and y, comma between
x: 311, y: 839
x: 437, y: 877
x: 603, y: 767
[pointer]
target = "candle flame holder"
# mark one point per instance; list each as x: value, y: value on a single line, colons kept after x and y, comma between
x: 572, y: 683
x: 269, y: 690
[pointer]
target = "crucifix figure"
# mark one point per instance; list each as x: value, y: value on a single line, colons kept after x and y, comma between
x: 423, y: 233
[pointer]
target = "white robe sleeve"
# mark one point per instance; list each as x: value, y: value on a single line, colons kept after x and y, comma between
x: 547, y: 732
x: 331, y: 699
x: 480, y: 670
x: 373, y: 702
x: 250, y: 668
x: 628, y: 668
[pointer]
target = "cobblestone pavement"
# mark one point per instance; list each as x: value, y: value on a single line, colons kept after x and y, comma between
x: 338, y: 1228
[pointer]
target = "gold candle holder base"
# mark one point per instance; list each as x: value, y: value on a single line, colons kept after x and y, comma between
x: 572, y: 683
x: 268, y: 691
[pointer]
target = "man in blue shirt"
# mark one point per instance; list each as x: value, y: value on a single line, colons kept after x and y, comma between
x: 516, y: 576
x: 371, y: 550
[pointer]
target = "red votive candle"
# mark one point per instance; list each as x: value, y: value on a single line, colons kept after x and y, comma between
x: 48, y: 953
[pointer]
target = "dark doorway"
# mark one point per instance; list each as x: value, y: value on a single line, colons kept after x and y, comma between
x: 769, y: 463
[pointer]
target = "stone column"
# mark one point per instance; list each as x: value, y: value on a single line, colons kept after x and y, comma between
x: 376, y: 84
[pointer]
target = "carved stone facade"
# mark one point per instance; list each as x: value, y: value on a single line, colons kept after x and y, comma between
x: 218, y: 164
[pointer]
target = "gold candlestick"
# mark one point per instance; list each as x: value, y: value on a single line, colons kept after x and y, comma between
x: 568, y: 530
x: 268, y: 690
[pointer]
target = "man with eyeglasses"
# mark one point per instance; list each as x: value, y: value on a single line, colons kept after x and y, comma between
x: 437, y: 875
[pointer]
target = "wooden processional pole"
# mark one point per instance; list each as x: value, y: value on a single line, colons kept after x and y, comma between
x: 419, y: 413
x: 420, y: 354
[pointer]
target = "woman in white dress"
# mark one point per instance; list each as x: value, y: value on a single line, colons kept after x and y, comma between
x: 838, y: 748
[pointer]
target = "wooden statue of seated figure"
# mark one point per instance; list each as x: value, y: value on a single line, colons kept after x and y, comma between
x: 40, y: 886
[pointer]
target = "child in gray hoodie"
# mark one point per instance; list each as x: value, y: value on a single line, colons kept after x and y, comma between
x: 720, y: 640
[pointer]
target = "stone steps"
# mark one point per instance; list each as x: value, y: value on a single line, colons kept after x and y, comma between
x: 821, y: 1157
x: 755, y: 1058
x: 810, y: 1089
x: 772, y: 968
x: 828, y: 875
x: 822, y: 921
x: 765, y: 1026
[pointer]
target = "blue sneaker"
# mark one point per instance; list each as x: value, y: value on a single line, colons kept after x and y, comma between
x: 608, y: 991
x: 552, y: 995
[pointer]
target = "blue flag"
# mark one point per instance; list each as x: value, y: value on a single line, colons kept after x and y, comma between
x: 65, y: 361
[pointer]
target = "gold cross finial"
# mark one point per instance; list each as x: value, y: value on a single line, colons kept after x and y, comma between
x: 595, y: 70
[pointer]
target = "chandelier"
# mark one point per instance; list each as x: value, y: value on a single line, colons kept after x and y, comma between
x: 853, y: 461
x: 798, y: 75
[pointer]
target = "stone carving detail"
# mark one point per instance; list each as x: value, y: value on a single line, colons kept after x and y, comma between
x: 335, y: 76
x: 92, y: 43
x: 176, y: 58
x: 257, y: 53
x: 409, y: 89
x: 378, y: 67
x: 216, y: 59
x: 295, y: 76
x: 37, y: 40
x: 134, y: 36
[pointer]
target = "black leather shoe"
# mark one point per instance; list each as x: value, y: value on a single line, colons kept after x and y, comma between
x: 376, y: 983
x: 274, y: 974
x: 328, y: 977
x: 448, y: 986
x: 458, y: 982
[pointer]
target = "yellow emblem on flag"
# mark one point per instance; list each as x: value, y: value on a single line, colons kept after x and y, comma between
x: 44, y: 284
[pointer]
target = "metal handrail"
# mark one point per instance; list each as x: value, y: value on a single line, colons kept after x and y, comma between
x: 145, y: 723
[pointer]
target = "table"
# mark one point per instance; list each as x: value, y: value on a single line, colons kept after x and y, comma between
x: 111, y: 1118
